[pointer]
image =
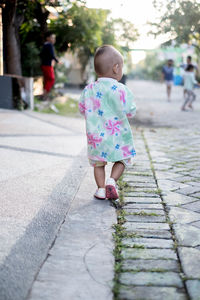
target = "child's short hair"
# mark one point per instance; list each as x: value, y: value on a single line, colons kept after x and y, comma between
x: 48, y: 34
x: 189, y: 67
x: 99, y: 52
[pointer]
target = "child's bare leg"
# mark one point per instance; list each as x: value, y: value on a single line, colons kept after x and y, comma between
x: 99, y: 175
x: 186, y: 100
x: 193, y: 97
x: 169, y: 88
x: 117, y: 170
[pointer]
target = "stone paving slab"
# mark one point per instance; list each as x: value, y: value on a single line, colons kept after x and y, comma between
x: 174, y: 199
x: 141, y: 179
x: 142, y: 194
x: 146, y: 190
x: 162, y: 234
x: 146, y: 226
x: 147, y: 219
x: 166, y: 175
x: 193, y: 182
x: 196, y: 224
x: 182, y: 216
x: 149, y: 254
x: 187, y: 235
x: 170, y: 185
x: 190, y: 259
x: 151, y: 279
x: 148, y: 243
x: 149, y: 265
x: 144, y: 171
x: 156, y: 212
x: 196, y: 195
x: 130, y: 199
x: 145, y: 185
x: 144, y: 206
x: 189, y: 190
x: 193, y: 287
x: 161, y: 167
x: 151, y: 293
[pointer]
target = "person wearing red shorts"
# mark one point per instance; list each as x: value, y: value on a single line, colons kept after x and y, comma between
x: 48, y: 58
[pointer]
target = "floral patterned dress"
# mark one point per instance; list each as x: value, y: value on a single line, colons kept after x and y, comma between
x: 106, y: 105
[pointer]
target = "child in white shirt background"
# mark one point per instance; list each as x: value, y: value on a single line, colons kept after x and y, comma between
x: 189, y: 84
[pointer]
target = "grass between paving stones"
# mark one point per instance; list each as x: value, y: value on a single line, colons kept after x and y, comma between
x: 120, y: 232
x: 118, y: 235
x: 141, y: 213
x: 180, y: 163
x: 135, y: 189
x: 138, y: 174
x: 153, y: 270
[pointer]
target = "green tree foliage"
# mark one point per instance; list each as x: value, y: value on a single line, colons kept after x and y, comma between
x: 77, y: 28
x: 84, y: 29
x: 179, y: 19
x: 127, y: 33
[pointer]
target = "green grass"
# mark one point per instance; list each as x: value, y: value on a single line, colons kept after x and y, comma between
x: 140, y: 174
x: 134, y: 271
x: 70, y: 107
x: 142, y: 213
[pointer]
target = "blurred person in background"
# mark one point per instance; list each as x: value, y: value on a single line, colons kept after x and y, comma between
x: 189, y: 62
x: 48, y: 61
x: 168, y: 76
x: 184, y: 66
x: 189, y: 84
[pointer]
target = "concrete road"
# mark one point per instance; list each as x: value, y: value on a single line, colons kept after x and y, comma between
x: 153, y: 109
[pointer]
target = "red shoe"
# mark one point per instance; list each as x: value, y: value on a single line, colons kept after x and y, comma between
x: 111, y: 189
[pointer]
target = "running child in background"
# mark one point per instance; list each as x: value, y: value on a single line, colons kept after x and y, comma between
x: 48, y: 59
x: 106, y: 104
x: 189, y: 83
x: 168, y: 76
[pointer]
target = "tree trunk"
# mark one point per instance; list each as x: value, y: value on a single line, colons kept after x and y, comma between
x: 41, y: 15
x: 11, y: 39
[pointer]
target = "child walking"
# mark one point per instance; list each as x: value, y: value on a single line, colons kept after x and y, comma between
x: 106, y: 104
x: 189, y: 82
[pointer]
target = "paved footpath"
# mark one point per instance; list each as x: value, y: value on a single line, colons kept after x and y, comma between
x: 57, y: 241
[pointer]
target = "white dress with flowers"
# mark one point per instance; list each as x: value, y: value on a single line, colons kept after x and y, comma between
x: 106, y: 105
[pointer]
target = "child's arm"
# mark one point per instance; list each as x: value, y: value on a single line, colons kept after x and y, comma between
x: 130, y: 107
x: 81, y: 104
